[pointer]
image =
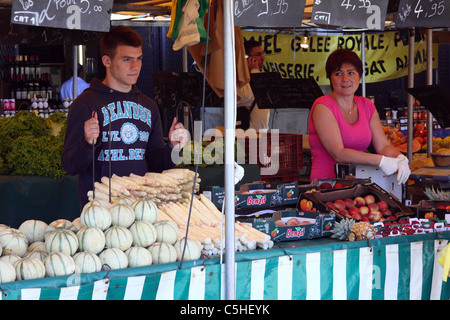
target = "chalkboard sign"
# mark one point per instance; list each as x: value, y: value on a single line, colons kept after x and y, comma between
x: 421, y: 13
x: 172, y: 87
x: 362, y: 14
x: 273, y: 92
x: 43, y: 36
x: 269, y: 13
x: 436, y: 100
x: 93, y: 15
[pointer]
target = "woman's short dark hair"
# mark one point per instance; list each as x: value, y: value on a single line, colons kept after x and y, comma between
x: 120, y: 35
x: 340, y: 56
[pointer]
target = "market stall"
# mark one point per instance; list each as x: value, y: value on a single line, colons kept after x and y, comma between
x: 397, y: 268
x: 388, y: 267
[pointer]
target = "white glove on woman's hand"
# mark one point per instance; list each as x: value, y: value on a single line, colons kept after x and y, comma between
x: 388, y: 165
x: 403, y: 169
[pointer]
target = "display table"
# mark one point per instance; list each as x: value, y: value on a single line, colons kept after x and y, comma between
x: 42, y: 198
x: 403, y: 268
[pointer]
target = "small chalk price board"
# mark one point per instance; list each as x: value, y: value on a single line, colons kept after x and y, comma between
x: 362, y: 14
x: 436, y: 100
x: 420, y: 13
x: 92, y: 15
x: 269, y: 13
x: 273, y: 92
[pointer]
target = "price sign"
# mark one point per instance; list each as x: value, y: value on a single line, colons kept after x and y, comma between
x: 364, y: 14
x: 420, y: 13
x: 92, y: 15
x: 268, y: 13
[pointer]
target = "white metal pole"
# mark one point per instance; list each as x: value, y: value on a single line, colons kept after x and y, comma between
x: 75, y: 71
x: 229, y: 123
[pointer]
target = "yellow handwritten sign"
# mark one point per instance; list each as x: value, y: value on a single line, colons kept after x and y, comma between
x: 386, y: 55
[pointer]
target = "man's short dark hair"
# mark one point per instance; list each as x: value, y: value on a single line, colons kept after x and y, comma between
x: 249, y: 45
x: 120, y: 35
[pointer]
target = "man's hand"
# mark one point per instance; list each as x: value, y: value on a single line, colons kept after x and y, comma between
x: 178, y: 135
x: 92, y: 129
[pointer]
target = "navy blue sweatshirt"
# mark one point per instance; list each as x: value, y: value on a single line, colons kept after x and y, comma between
x: 131, y: 120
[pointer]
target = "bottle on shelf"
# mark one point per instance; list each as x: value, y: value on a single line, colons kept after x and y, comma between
x: 26, y: 64
x: 12, y: 70
x: 16, y: 67
x: 37, y: 68
x: 31, y: 90
x: 24, y: 89
x: 32, y: 69
x: 18, y: 88
x: 21, y: 66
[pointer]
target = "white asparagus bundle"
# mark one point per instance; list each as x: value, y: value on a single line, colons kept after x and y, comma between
x: 115, y: 185
x: 100, y: 187
x: 163, y: 216
x: 128, y: 183
x: 99, y: 195
x: 138, y: 193
x: 163, y: 179
x: 146, y: 180
x: 211, y: 206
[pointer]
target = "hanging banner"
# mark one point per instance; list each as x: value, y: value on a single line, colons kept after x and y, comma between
x: 387, y: 54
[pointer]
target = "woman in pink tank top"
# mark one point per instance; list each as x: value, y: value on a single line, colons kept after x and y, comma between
x: 341, y: 126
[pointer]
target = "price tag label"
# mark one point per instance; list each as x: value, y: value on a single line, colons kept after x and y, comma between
x: 92, y: 15
x: 268, y: 13
x: 423, y: 13
x: 364, y: 14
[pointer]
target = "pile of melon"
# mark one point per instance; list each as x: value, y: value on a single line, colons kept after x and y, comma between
x: 125, y: 235
x: 130, y: 232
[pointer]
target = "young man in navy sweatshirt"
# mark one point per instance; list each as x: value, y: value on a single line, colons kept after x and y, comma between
x: 113, y: 120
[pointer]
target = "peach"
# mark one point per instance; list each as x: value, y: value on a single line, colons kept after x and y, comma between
x: 306, y: 205
x: 373, y: 207
x: 292, y: 222
x: 369, y: 199
x: 363, y: 210
x: 280, y: 223
x: 343, y: 212
x: 349, y: 203
x: 339, y: 204
x: 330, y: 204
x: 353, y: 210
x: 325, y: 186
x: 365, y: 217
x: 382, y: 205
x: 375, y: 216
x: 359, y: 201
x: 386, y: 212
x: 356, y: 216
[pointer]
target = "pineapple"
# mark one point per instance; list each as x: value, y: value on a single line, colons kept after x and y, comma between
x: 349, y: 229
x: 362, y: 231
x: 342, y: 229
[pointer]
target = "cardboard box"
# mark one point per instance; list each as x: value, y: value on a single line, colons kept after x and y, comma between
x: 359, y: 190
x: 338, y: 183
x: 257, y: 196
x: 311, y: 225
x: 388, y: 183
x: 435, y: 207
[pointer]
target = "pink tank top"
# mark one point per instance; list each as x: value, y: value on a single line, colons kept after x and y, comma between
x: 354, y: 136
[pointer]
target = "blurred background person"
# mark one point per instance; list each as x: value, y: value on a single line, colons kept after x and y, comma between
x: 66, y: 91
